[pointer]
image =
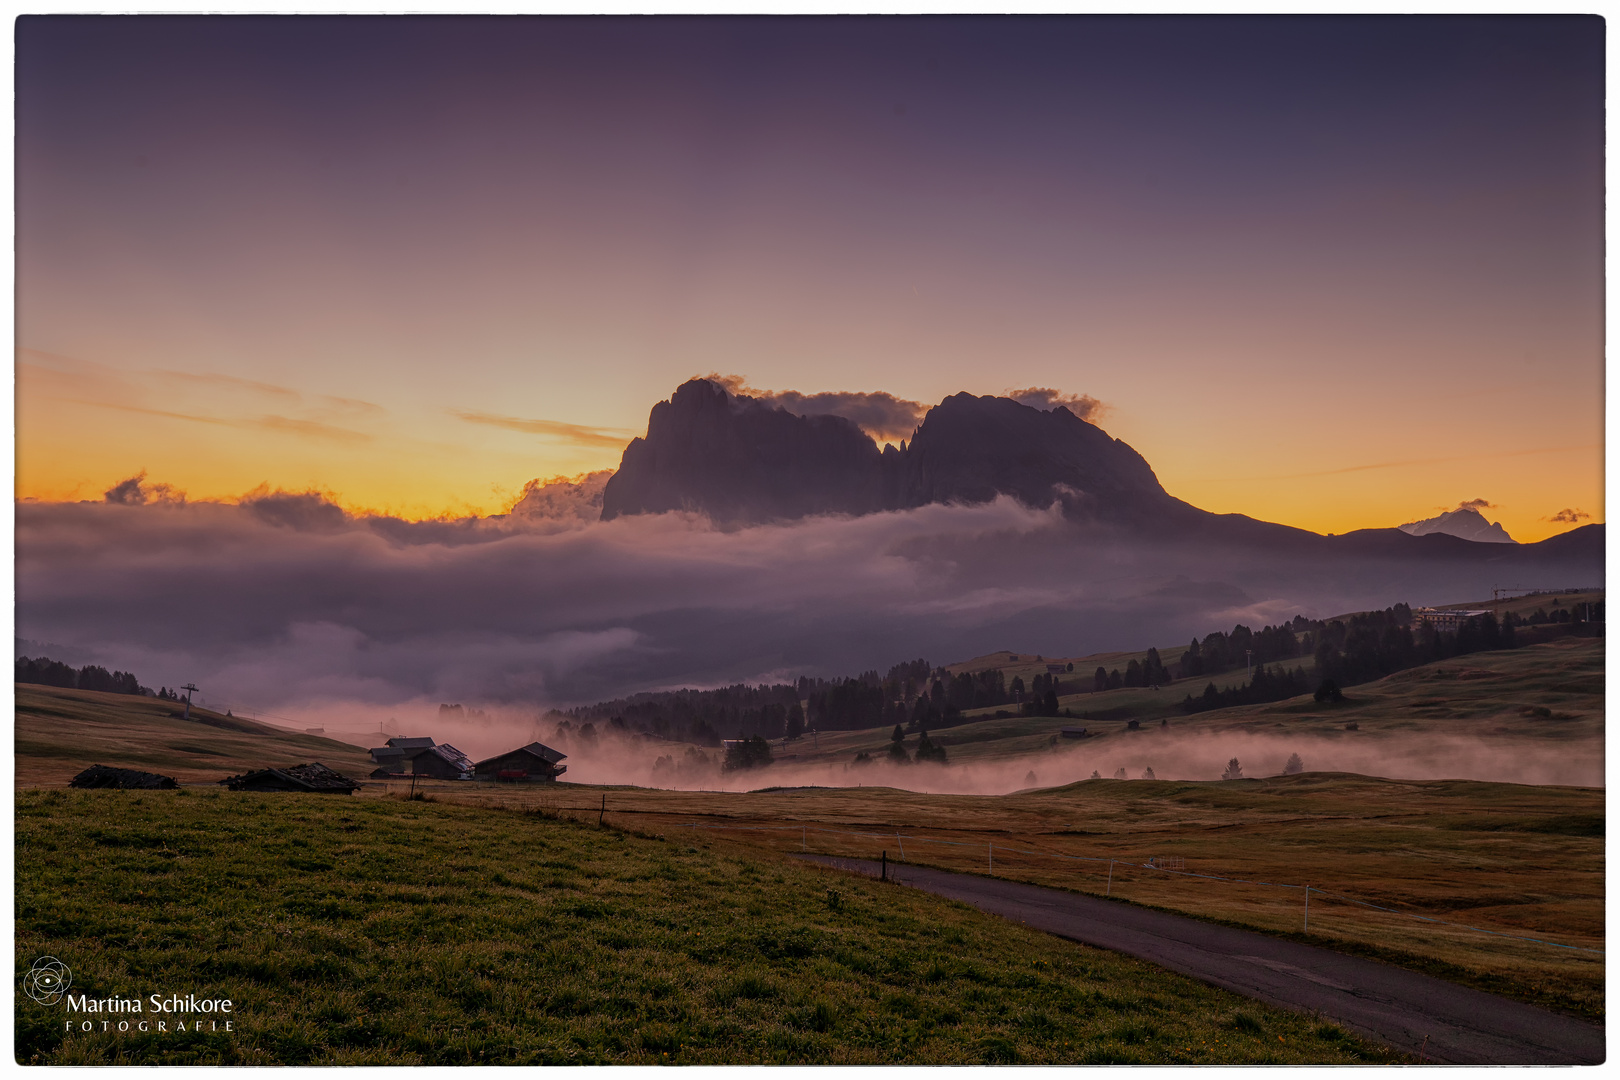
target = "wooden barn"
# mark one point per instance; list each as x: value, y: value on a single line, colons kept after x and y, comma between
x: 535, y: 763
x: 313, y: 777
x: 441, y: 762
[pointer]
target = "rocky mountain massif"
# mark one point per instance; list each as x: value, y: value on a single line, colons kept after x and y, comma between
x: 744, y: 461
x: 1465, y: 522
x: 741, y: 460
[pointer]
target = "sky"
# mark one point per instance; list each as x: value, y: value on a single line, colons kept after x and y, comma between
x: 1335, y: 273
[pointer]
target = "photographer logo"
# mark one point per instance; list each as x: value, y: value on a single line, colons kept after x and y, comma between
x: 47, y: 980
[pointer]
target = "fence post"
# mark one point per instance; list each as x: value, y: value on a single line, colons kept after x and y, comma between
x: 902, y: 842
x: 603, y: 814
x: 1110, y: 890
x: 805, y: 842
x: 1307, y: 909
x: 992, y: 856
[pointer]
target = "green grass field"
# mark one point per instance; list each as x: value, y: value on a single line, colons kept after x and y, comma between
x: 1520, y: 860
x: 62, y: 732
x: 1550, y: 693
x: 351, y: 930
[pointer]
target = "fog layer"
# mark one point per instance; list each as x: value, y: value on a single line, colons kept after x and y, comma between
x: 285, y: 601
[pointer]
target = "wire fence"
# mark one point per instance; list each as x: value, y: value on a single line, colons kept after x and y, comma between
x: 991, y: 850
x: 1173, y: 867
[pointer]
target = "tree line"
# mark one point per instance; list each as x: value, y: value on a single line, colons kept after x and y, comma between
x: 47, y: 672
x: 917, y: 696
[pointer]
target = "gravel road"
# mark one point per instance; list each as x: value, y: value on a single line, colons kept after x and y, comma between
x: 1441, y: 1021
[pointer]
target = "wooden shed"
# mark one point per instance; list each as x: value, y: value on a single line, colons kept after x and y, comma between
x: 313, y: 777
x: 533, y: 763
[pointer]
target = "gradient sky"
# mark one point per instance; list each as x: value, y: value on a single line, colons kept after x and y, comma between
x: 1337, y: 273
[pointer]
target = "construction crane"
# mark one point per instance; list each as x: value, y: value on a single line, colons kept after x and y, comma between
x: 1500, y: 593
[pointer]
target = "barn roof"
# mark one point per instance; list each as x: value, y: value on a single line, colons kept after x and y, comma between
x: 534, y: 749
x: 412, y: 743
x: 99, y: 776
x: 311, y: 777
x: 450, y: 755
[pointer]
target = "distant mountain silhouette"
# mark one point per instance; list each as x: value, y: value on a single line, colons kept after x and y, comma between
x: 1465, y: 522
x: 743, y: 461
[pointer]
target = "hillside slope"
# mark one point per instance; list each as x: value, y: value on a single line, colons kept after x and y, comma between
x: 62, y: 732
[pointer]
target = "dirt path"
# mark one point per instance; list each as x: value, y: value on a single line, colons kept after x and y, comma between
x: 1404, y: 1009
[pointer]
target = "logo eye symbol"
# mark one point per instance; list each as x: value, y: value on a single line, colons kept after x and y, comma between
x: 47, y: 980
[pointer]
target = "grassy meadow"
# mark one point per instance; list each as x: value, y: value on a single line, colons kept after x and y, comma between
x: 376, y: 930
x: 62, y: 732
x: 1521, y: 860
x: 1548, y: 693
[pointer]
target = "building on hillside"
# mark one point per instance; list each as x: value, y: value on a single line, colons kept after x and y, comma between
x: 313, y: 777
x: 1448, y: 620
x: 105, y: 776
x: 533, y: 763
x: 1056, y: 669
x: 441, y: 762
x: 397, y: 755
x: 1074, y: 733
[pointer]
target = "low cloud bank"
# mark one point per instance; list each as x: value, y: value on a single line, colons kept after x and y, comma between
x: 609, y: 757
x: 285, y: 600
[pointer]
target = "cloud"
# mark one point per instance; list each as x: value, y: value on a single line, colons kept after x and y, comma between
x: 284, y: 599
x: 578, y: 434
x: 230, y: 382
x: 309, y: 429
x: 1570, y: 517
x: 1476, y: 505
x: 888, y: 418
x: 136, y: 492
x: 562, y: 499
x: 155, y: 412
x: 1046, y: 399
x: 881, y: 415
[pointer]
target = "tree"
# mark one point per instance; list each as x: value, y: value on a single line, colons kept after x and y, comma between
x: 897, y: 753
x: 1147, y: 773
x: 1049, y: 704
x: 795, y: 722
x: 752, y: 753
x: 1095, y: 775
x: 1133, y: 674
x: 928, y: 750
x: 1114, y: 680
x: 898, y: 736
x: 1328, y: 691
x: 1100, y: 680
x: 1234, y: 771
x: 1120, y: 775
x: 1153, y: 671
x: 1294, y: 766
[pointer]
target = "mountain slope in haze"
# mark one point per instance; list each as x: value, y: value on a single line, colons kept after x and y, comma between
x: 1465, y: 522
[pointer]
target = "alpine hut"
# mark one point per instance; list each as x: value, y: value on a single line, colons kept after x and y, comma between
x: 313, y: 777
x: 527, y: 764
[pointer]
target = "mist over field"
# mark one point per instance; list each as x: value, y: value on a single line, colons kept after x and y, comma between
x: 283, y: 602
x: 1172, y: 754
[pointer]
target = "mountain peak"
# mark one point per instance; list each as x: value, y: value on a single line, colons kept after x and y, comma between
x: 1465, y: 522
x: 741, y: 459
